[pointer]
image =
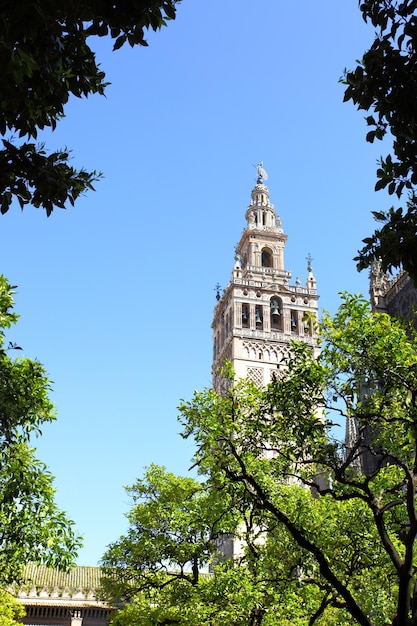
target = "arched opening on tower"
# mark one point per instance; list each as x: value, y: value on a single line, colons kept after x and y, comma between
x: 259, y: 318
x: 276, y: 313
x: 294, y: 321
x: 245, y: 315
x: 266, y: 258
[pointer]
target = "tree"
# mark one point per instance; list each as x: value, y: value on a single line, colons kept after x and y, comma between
x: 157, y: 567
x: 176, y: 527
x: 45, y: 56
x: 160, y: 567
x: 263, y: 585
x: 385, y: 83
x: 169, y: 535
x: 321, y: 542
x: 354, y: 533
x: 32, y: 528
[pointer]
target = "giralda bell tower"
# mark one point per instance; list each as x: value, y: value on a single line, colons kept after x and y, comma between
x: 260, y: 311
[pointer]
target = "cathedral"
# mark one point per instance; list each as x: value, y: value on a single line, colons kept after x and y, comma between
x: 261, y: 310
x: 396, y: 295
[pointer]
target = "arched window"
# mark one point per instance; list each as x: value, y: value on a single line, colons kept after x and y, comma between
x: 259, y: 318
x: 245, y: 315
x: 294, y: 321
x: 276, y: 313
x: 266, y: 257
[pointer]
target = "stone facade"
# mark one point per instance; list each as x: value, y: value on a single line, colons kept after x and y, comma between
x: 395, y: 296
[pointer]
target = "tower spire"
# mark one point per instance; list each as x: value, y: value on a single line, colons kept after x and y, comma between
x: 311, y: 281
x: 260, y: 214
x: 262, y: 175
x: 260, y: 311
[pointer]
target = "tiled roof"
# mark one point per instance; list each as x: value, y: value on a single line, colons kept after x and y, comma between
x: 80, y: 577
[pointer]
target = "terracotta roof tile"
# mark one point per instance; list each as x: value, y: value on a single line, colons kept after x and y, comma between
x: 80, y: 577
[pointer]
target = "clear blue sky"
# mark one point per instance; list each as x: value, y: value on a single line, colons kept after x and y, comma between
x: 116, y: 295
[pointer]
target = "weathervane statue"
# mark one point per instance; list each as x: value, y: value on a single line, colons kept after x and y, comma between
x: 262, y: 175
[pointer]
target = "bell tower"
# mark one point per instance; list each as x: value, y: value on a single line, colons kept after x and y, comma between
x: 260, y: 311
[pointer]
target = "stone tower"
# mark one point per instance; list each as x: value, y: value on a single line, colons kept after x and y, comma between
x: 260, y: 311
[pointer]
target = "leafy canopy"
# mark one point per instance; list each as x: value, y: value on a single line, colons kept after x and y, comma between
x: 356, y: 537
x: 45, y: 57
x: 385, y: 84
x: 11, y: 612
x: 323, y: 531
x: 180, y: 525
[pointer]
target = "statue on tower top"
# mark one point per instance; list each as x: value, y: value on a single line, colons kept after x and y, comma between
x: 262, y: 175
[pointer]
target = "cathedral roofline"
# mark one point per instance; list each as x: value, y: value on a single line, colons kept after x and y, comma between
x: 46, y: 586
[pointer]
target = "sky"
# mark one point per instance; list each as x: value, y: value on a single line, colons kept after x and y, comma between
x: 116, y: 294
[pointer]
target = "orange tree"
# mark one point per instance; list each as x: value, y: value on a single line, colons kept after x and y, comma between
x: 356, y: 537
x: 317, y: 539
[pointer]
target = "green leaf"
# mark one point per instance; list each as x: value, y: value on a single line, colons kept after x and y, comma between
x: 380, y: 184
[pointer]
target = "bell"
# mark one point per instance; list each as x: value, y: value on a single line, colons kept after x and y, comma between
x: 258, y: 317
x: 245, y: 315
x: 293, y: 322
x: 275, y: 310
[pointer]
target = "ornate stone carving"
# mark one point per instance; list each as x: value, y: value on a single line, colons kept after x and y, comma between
x: 379, y: 283
x: 256, y: 375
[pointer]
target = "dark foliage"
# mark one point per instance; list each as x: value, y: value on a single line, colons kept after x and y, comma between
x: 45, y: 57
x: 385, y: 84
